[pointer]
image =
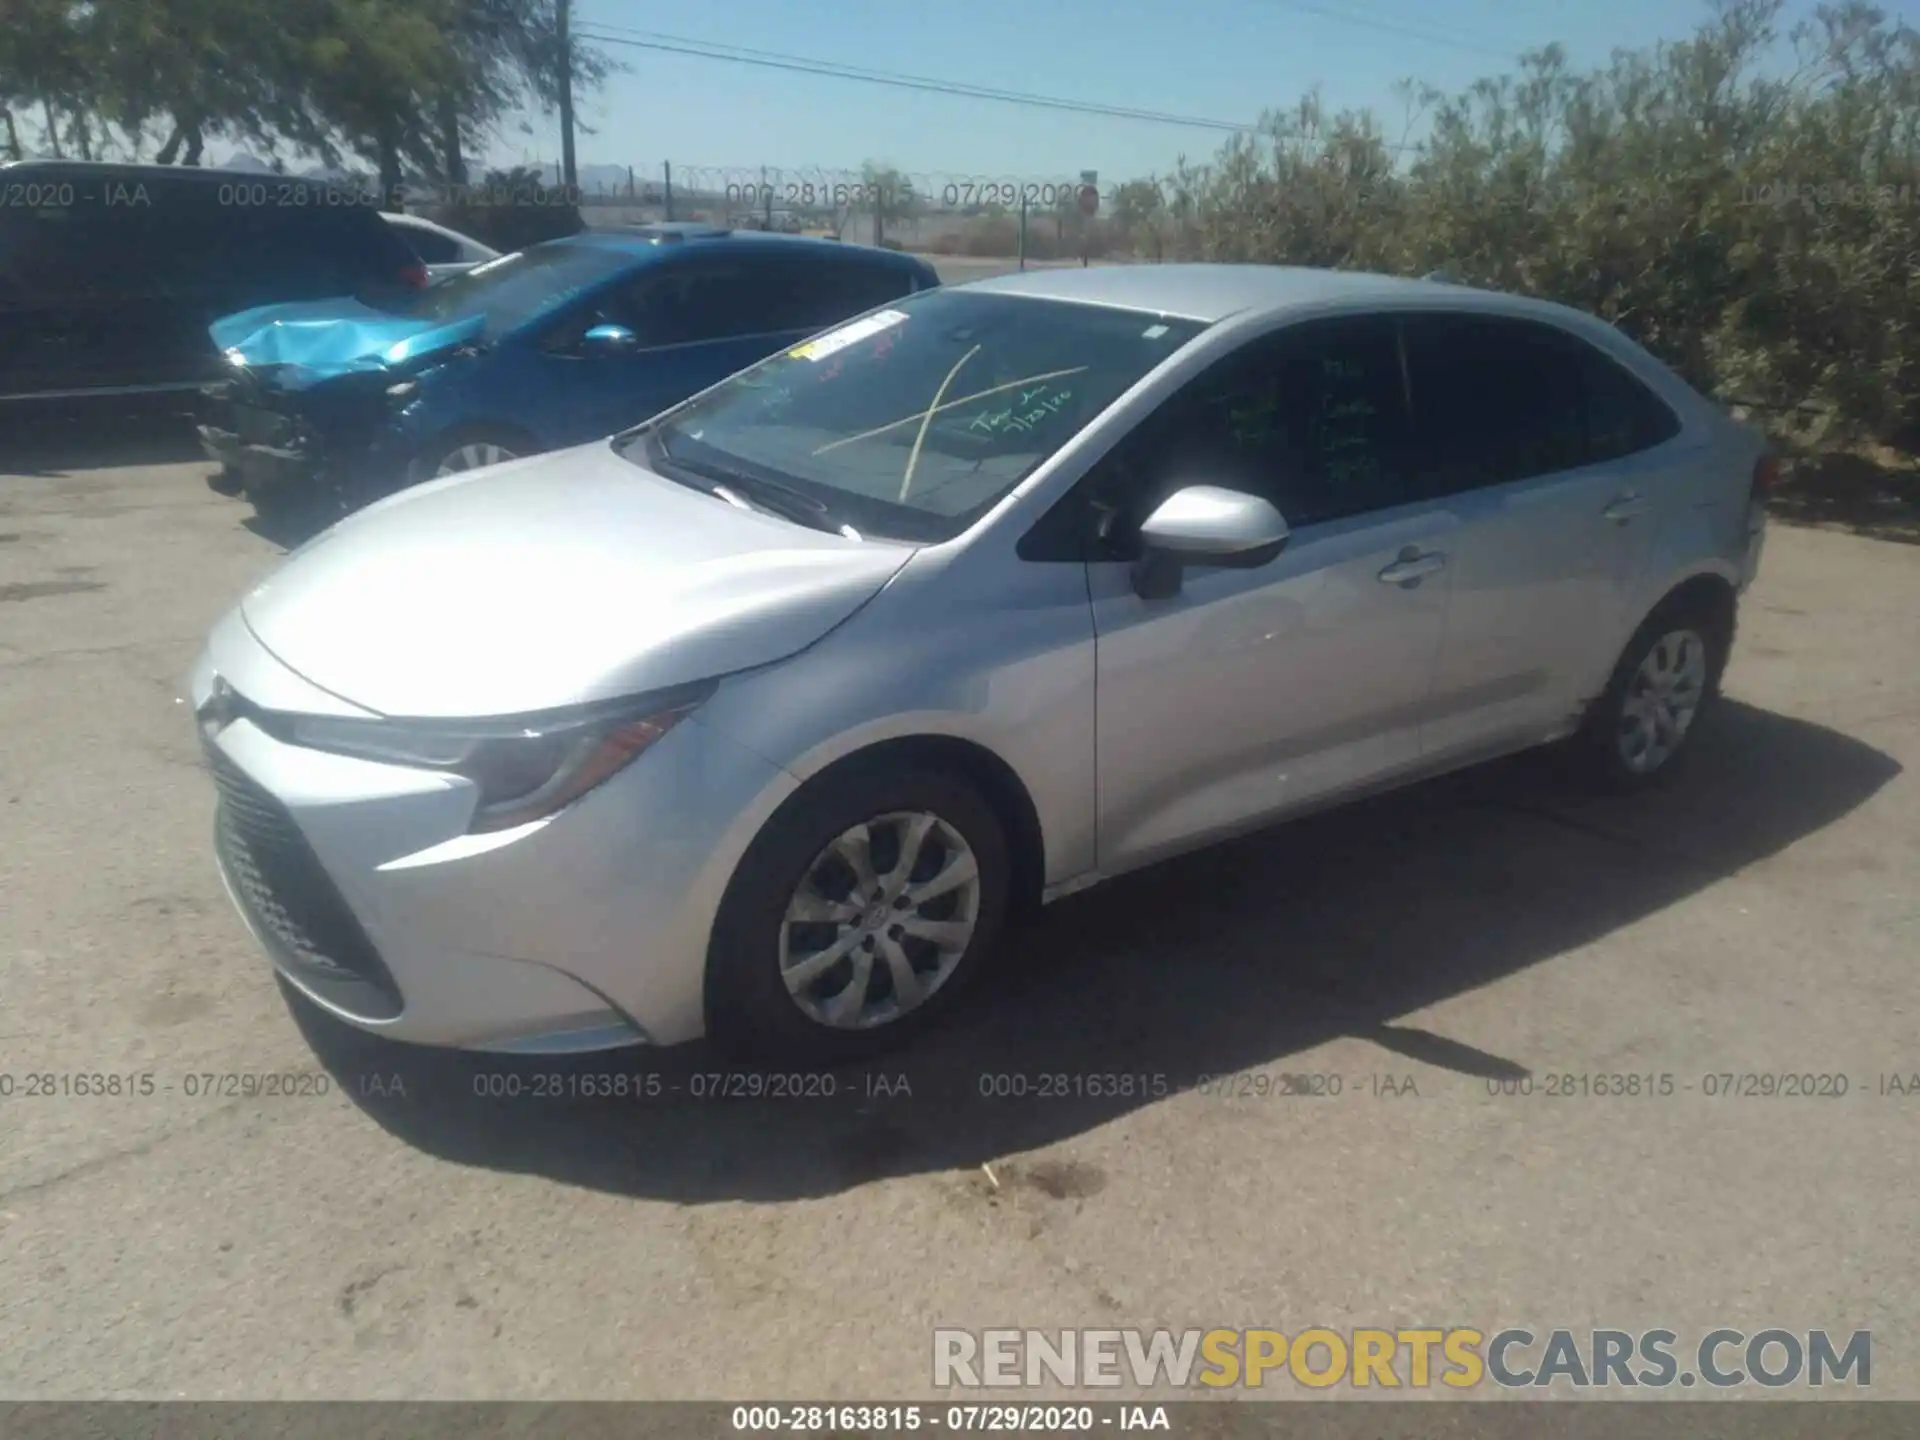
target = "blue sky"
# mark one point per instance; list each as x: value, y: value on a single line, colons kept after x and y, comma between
x: 1219, y: 59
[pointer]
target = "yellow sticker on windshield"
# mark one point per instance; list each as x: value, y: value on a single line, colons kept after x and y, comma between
x: 835, y: 341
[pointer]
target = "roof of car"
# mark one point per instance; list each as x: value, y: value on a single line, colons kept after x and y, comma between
x: 186, y: 174
x: 1209, y: 293
x: 641, y: 239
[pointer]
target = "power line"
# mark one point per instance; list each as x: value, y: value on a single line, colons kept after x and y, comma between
x: 773, y: 60
x: 836, y: 70
x: 1410, y: 30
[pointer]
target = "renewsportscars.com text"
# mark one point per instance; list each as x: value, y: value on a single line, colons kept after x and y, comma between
x: 1459, y: 1358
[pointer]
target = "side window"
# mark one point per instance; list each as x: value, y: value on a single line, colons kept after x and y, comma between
x: 837, y: 288
x: 1623, y: 416
x: 1494, y: 400
x: 280, y: 253
x: 686, y: 302
x: 92, y: 252
x: 1313, y: 417
x: 194, y: 253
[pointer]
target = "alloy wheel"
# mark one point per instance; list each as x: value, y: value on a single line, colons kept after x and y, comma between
x: 1661, y: 700
x: 880, y: 920
x: 472, y: 456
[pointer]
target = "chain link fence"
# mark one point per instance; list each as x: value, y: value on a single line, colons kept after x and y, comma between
x: 932, y: 212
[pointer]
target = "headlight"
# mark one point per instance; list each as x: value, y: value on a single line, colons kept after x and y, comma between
x: 525, y: 767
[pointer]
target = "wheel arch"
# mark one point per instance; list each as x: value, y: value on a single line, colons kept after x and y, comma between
x: 1713, y: 588
x: 999, y: 786
x: 998, y: 782
x: 467, y: 431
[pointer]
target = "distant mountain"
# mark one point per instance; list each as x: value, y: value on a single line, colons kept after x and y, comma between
x: 594, y: 179
x: 604, y: 178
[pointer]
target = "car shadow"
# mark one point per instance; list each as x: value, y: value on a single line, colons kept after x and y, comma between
x: 1228, y: 960
x: 99, y: 436
x: 1874, y: 493
x: 290, y: 523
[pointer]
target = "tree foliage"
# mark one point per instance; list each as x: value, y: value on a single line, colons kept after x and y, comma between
x: 401, y: 86
x: 1753, y: 223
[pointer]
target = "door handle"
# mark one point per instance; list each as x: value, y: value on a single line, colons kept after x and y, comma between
x: 1412, y: 566
x: 1625, y: 508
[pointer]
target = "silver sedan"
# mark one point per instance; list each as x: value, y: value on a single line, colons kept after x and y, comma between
x: 762, y: 718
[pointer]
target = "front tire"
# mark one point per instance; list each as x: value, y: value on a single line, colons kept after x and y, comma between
x: 1665, y: 684
x: 858, y: 917
x: 474, y: 450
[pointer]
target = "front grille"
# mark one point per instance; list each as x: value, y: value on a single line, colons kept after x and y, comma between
x: 256, y: 425
x: 288, y: 895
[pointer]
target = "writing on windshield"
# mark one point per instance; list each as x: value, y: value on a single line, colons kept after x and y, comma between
x: 1031, y: 407
x: 909, y: 420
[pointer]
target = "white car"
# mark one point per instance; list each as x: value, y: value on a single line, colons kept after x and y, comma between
x: 445, y: 252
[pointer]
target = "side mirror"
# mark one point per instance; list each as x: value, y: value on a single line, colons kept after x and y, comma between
x: 1205, y: 525
x: 609, y: 340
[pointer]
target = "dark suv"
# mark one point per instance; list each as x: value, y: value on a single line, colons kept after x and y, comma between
x: 111, y: 274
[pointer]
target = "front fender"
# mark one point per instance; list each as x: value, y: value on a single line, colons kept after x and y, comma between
x: 1007, y: 666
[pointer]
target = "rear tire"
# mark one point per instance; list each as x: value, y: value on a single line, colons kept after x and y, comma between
x: 1665, y: 685
x: 818, y: 959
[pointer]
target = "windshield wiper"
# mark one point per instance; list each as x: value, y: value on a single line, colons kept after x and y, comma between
x: 783, y: 500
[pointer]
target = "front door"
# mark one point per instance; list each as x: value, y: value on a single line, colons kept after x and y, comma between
x: 1251, y: 693
x: 698, y: 320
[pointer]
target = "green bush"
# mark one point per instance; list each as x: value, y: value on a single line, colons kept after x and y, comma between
x: 1755, y: 229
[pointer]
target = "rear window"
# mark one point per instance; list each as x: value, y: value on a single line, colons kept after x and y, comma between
x: 327, y: 250
x: 431, y: 246
x: 520, y: 287
x: 1499, y: 399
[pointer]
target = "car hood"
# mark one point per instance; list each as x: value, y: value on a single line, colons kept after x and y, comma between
x: 317, y: 340
x: 552, y: 581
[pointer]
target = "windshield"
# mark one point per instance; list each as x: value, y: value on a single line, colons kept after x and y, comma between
x: 515, y: 288
x: 911, y: 421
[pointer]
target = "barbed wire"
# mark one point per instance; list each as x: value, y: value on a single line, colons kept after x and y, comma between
x: 827, y: 194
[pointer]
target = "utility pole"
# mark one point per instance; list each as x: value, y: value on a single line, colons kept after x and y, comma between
x: 569, y: 176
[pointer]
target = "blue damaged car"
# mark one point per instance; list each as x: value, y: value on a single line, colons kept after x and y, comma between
x: 335, y: 403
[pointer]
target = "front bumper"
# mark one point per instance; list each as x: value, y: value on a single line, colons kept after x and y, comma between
x: 583, y: 931
x: 259, y: 466
x: 278, y: 442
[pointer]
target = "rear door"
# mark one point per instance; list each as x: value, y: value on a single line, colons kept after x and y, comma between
x: 1547, y: 453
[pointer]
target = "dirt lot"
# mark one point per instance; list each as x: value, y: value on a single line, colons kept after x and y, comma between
x: 399, y: 1235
